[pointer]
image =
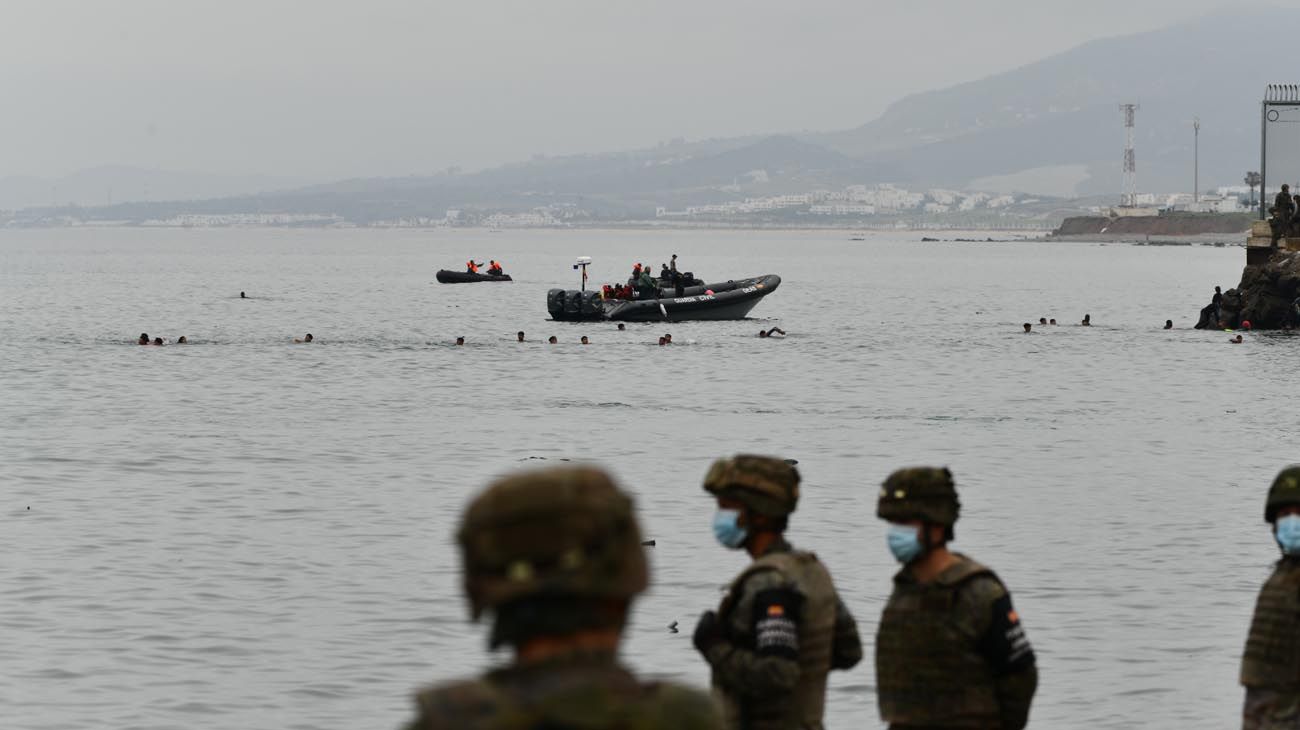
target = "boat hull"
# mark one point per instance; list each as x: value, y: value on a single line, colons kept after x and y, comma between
x: 464, y: 277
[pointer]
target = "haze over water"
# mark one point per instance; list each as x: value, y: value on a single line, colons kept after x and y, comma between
x: 244, y: 533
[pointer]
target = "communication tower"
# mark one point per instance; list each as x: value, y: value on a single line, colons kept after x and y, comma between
x: 1128, y: 196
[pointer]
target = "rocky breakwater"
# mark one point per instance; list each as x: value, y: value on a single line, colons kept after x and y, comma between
x: 1265, y: 297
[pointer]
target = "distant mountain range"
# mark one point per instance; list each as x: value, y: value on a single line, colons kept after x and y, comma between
x: 1051, y: 127
x: 99, y: 186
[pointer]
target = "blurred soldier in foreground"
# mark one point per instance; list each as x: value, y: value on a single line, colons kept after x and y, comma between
x: 950, y: 652
x: 781, y: 627
x: 1270, y: 669
x: 556, y: 556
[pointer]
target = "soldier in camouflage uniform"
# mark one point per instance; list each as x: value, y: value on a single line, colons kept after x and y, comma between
x: 1270, y: 668
x: 950, y: 651
x: 781, y: 627
x: 556, y: 556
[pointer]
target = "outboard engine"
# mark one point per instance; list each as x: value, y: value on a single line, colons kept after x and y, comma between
x: 591, y: 304
x: 555, y: 303
x: 573, y: 305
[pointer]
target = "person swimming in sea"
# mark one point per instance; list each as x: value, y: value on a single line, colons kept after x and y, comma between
x: 1028, y: 328
x: 519, y: 336
x: 1235, y: 340
x: 668, y: 338
x: 158, y: 342
x: 621, y: 326
x: 182, y: 340
x: 243, y: 295
x: 551, y: 340
x: 1087, y: 321
x: 769, y: 333
x: 662, y: 342
x: 144, y: 339
x: 1169, y: 324
x: 460, y: 341
x: 584, y: 340
x: 1042, y: 320
x: 1053, y: 321
x: 304, y: 339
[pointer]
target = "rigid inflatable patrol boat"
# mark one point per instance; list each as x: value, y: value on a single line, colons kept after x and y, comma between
x: 721, y: 301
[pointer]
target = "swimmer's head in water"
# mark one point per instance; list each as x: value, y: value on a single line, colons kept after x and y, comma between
x: 1042, y: 320
x: 1169, y: 324
x: 1052, y: 321
x: 308, y: 338
x: 520, y: 336
x: 662, y: 342
x: 157, y: 340
x: 460, y: 340
x: 552, y: 340
x: 621, y: 326
x: 144, y: 338
x: 1028, y: 327
x: 762, y: 333
x: 181, y: 340
x: 584, y: 339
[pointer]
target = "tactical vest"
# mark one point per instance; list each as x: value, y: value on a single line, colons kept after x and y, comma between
x: 928, y: 672
x: 802, y: 709
x: 1272, y: 657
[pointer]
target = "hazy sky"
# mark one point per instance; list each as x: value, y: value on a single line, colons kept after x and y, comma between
x: 327, y: 89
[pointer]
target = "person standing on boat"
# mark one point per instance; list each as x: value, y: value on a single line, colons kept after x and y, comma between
x: 649, y: 288
x: 950, y: 650
x: 555, y: 557
x: 782, y: 627
x: 1270, y: 665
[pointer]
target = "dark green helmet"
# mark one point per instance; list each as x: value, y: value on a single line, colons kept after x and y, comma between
x: 765, y: 484
x: 919, y: 493
x: 1284, y: 492
x: 565, y: 531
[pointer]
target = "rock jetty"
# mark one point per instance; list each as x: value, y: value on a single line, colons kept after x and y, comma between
x: 1266, y: 296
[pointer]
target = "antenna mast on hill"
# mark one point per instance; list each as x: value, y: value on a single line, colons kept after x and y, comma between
x: 1128, y: 196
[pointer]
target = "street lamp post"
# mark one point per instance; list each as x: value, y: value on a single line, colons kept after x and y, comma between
x: 1196, y: 159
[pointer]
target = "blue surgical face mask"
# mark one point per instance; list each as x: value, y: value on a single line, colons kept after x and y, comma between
x: 903, y: 542
x: 1288, y: 534
x: 726, y: 529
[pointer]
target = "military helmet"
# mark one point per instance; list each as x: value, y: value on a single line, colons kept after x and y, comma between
x: 765, y: 484
x: 565, y: 531
x: 1285, y: 491
x: 919, y: 493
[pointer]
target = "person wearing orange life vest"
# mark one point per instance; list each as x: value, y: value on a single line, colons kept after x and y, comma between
x: 472, y: 267
x: 494, y: 268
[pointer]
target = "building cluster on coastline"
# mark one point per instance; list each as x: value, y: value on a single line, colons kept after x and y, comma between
x: 851, y: 201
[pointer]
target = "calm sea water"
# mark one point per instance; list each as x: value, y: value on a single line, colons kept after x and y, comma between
x: 245, y: 533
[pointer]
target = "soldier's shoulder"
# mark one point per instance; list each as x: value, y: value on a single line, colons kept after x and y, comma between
x: 680, y: 706
x: 464, y: 704
x: 762, y: 576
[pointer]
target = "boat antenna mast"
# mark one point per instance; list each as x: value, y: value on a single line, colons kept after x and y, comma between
x: 582, y: 263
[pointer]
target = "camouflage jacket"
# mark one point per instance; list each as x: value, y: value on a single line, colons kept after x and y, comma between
x: 577, y: 692
x: 784, y: 628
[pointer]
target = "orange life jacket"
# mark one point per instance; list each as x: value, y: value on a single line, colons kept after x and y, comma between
x: 473, y: 268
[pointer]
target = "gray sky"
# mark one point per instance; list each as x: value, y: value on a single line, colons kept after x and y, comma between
x: 326, y: 89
